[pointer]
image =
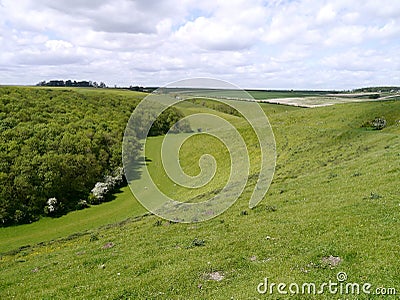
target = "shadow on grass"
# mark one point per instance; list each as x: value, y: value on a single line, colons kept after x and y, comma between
x: 134, y: 171
x: 134, y: 167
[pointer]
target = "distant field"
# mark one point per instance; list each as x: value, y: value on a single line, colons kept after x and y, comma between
x: 307, y: 99
x: 250, y: 94
x: 284, y: 94
x: 310, y: 102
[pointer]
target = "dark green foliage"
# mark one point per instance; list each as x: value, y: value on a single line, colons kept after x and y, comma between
x: 56, y: 143
x: 377, y: 89
x: 374, y: 96
x: 169, y: 120
x: 147, y: 123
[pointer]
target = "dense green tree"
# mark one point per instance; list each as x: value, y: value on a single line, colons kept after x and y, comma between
x: 55, y: 144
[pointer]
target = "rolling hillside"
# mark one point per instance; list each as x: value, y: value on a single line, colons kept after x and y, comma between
x: 335, y: 193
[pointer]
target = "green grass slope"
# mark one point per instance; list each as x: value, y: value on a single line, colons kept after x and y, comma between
x: 335, y: 192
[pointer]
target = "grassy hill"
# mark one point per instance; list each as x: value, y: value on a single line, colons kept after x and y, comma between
x: 335, y: 193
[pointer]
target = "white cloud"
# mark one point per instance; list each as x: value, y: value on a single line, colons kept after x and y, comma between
x: 212, y: 34
x: 391, y: 29
x: 254, y: 43
x: 231, y: 25
x: 345, y: 35
x: 326, y: 14
x: 357, y: 59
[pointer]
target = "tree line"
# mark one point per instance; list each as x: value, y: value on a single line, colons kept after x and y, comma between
x: 70, y: 83
x: 378, y: 89
x: 92, y: 84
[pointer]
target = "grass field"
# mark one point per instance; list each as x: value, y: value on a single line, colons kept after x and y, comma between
x: 284, y: 94
x: 250, y: 94
x: 335, y: 193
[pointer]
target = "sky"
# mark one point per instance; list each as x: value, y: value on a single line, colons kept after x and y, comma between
x: 266, y: 44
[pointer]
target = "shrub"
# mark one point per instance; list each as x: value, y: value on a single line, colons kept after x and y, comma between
x: 101, y: 189
x: 379, y: 123
x: 52, y: 206
x: 376, y: 124
x: 82, y: 204
x: 99, y: 192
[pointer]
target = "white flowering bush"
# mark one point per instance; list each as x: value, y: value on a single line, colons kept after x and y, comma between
x: 82, y: 204
x: 101, y: 189
x: 51, y: 206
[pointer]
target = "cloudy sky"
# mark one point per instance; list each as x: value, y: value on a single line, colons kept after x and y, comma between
x: 273, y: 44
